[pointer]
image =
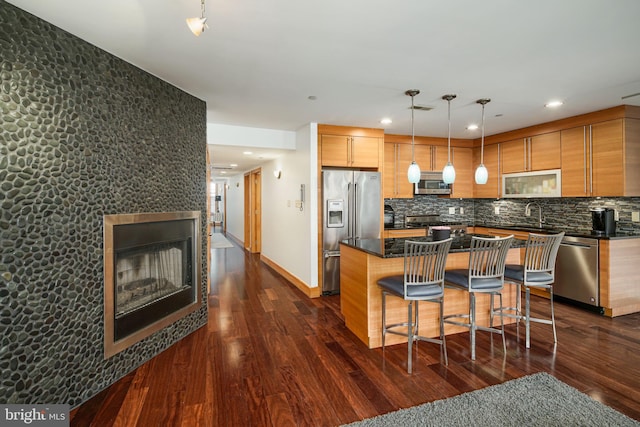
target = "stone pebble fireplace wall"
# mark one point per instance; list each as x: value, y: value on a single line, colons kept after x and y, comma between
x: 82, y: 134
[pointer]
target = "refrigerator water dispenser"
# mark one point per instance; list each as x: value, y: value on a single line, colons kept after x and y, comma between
x: 335, y: 213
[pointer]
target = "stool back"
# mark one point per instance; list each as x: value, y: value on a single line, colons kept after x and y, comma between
x: 541, y: 253
x: 424, y: 263
x: 487, y: 258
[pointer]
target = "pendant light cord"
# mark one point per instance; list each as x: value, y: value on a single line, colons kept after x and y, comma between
x: 482, y: 141
x: 449, y: 138
x: 413, y: 155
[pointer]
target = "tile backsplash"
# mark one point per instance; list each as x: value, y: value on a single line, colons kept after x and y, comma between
x: 570, y: 214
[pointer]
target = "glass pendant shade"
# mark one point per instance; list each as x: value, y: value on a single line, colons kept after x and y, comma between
x: 197, y: 25
x: 448, y: 173
x: 413, y: 173
x: 482, y: 175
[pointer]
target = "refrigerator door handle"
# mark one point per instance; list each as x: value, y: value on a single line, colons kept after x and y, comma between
x: 356, y: 232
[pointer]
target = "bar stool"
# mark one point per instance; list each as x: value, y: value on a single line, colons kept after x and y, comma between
x: 537, y: 271
x: 423, y: 280
x: 487, y: 257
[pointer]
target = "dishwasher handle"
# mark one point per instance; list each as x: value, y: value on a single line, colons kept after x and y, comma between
x: 579, y: 245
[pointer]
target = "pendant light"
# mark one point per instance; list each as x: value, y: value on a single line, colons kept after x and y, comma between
x: 413, y: 173
x: 198, y: 25
x: 449, y: 172
x: 482, y: 175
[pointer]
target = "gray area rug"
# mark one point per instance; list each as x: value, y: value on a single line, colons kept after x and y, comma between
x: 218, y: 241
x: 534, y: 400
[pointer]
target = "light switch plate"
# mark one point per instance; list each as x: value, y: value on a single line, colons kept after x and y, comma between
x: 461, y: 211
x: 635, y: 216
x: 496, y: 210
x: 452, y: 210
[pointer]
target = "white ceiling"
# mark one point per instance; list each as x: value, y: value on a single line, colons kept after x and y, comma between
x: 260, y: 61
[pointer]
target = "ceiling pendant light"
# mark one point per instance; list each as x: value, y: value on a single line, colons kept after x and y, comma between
x: 198, y: 25
x: 449, y: 172
x: 482, y: 175
x: 413, y: 173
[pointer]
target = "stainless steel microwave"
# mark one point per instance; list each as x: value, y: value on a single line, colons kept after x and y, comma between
x: 431, y: 183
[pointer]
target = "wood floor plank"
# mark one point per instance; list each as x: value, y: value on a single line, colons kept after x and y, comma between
x: 271, y: 356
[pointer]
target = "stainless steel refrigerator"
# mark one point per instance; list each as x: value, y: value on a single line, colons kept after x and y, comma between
x: 351, y: 210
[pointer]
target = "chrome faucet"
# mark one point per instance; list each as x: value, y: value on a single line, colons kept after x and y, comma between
x: 527, y: 212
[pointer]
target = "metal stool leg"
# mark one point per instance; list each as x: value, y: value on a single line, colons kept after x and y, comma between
x: 553, y: 317
x: 442, y: 338
x: 504, y: 343
x: 409, y: 336
x: 528, y: 317
x: 384, y: 317
x: 472, y: 325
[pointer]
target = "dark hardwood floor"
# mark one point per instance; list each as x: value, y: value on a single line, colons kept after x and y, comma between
x: 270, y: 356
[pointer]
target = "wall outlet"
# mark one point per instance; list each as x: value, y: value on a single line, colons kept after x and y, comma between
x: 496, y: 210
x: 635, y: 216
x: 288, y: 203
x: 452, y: 211
x: 461, y: 211
x: 616, y: 215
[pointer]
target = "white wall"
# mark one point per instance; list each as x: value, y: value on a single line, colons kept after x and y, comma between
x: 235, y: 207
x: 289, y: 236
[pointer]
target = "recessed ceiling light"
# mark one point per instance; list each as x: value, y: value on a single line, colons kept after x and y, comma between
x: 233, y: 165
x: 553, y: 104
x: 472, y: 127
x: 386, y: 121
x: 247, y: 152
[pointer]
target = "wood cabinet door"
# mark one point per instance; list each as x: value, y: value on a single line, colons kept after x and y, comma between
x: 462, y: 159
x: 491, y: 161
x: 404, y: 189
x: 334, y: 150
x: 607, y: 158
x: 397, y: 158
x: 544, y: 152
x: 389, y: 189
x: 575, y: 162
x: 440, y: 157
x: 514, y: 155
x: 365, y: 152
x: 423, y: 157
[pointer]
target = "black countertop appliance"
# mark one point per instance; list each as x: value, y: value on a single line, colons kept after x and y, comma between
x: 604, y: 222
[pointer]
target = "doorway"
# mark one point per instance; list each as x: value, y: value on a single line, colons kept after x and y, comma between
x: 253, y: 211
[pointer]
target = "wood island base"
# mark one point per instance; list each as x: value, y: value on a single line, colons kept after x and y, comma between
x: 361, y: 298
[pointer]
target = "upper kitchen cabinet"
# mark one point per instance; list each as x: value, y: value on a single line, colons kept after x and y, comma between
x: 395, y: 184
x: 602, y: 159
x: 350, y: 147
x: 535, y: 153
x: 462, y: 159
x: 491, y: 189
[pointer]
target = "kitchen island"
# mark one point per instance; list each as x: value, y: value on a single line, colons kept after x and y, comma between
x: 363, y: 262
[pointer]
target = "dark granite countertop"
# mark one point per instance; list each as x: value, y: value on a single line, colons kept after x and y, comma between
x: 551, y: 230
x: 544, y: 229
x: 394, y: 248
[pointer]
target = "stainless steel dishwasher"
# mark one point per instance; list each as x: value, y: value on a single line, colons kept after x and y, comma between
x: 577, y: 270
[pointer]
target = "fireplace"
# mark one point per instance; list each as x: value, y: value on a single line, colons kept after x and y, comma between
x: 151, y: 274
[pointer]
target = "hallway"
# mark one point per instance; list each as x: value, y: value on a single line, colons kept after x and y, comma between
x: 270, y: 356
